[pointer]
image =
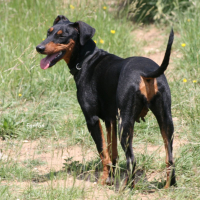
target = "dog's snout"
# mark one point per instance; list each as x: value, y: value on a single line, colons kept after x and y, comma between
x: 40, y: 48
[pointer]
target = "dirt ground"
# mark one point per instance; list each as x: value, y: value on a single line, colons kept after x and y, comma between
x: 53, y: 154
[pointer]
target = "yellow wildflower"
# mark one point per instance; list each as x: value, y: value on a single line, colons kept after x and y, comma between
x: 184, y: 80
x: 101, y: 41
x: 188, y: 20
x: 43, y: 39
x: 183, y: 44
x: 194, y: 81
x: 72, y: 7
x: 20, y: 95
x: 104, y: 7
x: 95, y: 41
x: 112, y: 31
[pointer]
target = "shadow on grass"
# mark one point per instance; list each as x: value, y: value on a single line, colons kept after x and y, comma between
x: 91, y: 171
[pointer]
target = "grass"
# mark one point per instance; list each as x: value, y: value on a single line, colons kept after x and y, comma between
x: 33, y: 163
x: 40, y: 106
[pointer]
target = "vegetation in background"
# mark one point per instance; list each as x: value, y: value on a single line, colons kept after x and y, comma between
x: 154, y: 10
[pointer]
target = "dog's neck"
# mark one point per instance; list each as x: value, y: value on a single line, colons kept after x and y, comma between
x: 80, y: 53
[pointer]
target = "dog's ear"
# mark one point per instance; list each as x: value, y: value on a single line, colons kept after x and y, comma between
x: 86, y: 31
x: 58, y: 18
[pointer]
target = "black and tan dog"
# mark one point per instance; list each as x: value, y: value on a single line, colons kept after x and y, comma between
x: 111, y: 88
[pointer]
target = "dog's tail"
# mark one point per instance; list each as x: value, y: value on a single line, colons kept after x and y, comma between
x: 165, y: 62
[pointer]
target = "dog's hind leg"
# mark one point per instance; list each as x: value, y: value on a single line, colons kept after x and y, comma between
x: 130, y: 106
x: 126, y: 137
x: 112, y: 147
x: 126, y: 119
x: 112, y: 140
x: 161, y: 107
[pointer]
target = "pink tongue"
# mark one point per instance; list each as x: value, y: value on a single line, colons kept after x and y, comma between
x: 45, y: 62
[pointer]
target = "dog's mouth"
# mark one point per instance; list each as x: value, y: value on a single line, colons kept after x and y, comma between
x: 51, y: 59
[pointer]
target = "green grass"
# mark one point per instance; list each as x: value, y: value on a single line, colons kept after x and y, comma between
x: 42, y: 104
x: 13, y: 171
x: 33, y: 163
x: 42, y: 193
x: 188, y: 109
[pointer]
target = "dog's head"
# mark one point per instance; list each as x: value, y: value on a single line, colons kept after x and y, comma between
x: 61, y: 40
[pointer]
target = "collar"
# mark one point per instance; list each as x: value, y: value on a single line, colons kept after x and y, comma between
x: 74, y: 70
x: 83, y: 59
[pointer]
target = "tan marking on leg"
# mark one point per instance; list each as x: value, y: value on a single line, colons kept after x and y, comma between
x: 148, y: 87
x: 112, y: 142
x: 142, y: 114
x: 169, y: 167
x: 105, y: 158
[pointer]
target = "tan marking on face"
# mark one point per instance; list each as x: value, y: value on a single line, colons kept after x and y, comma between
x: 69, y: 51
x: 105, y: 158
x: 148, y: 87
x: 52, y: 48
x: 59, y: 32
x: 51, y: 29
x: 112, y: 141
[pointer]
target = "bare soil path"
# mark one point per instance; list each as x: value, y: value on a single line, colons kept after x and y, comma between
x: 154, y: 41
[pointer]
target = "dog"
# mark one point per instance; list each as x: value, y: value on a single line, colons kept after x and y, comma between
x: 118, y: 91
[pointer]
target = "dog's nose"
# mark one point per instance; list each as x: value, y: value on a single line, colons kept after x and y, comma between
x: 40, y: 48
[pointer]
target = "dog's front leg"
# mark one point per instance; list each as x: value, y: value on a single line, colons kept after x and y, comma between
x: 95, y: 129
